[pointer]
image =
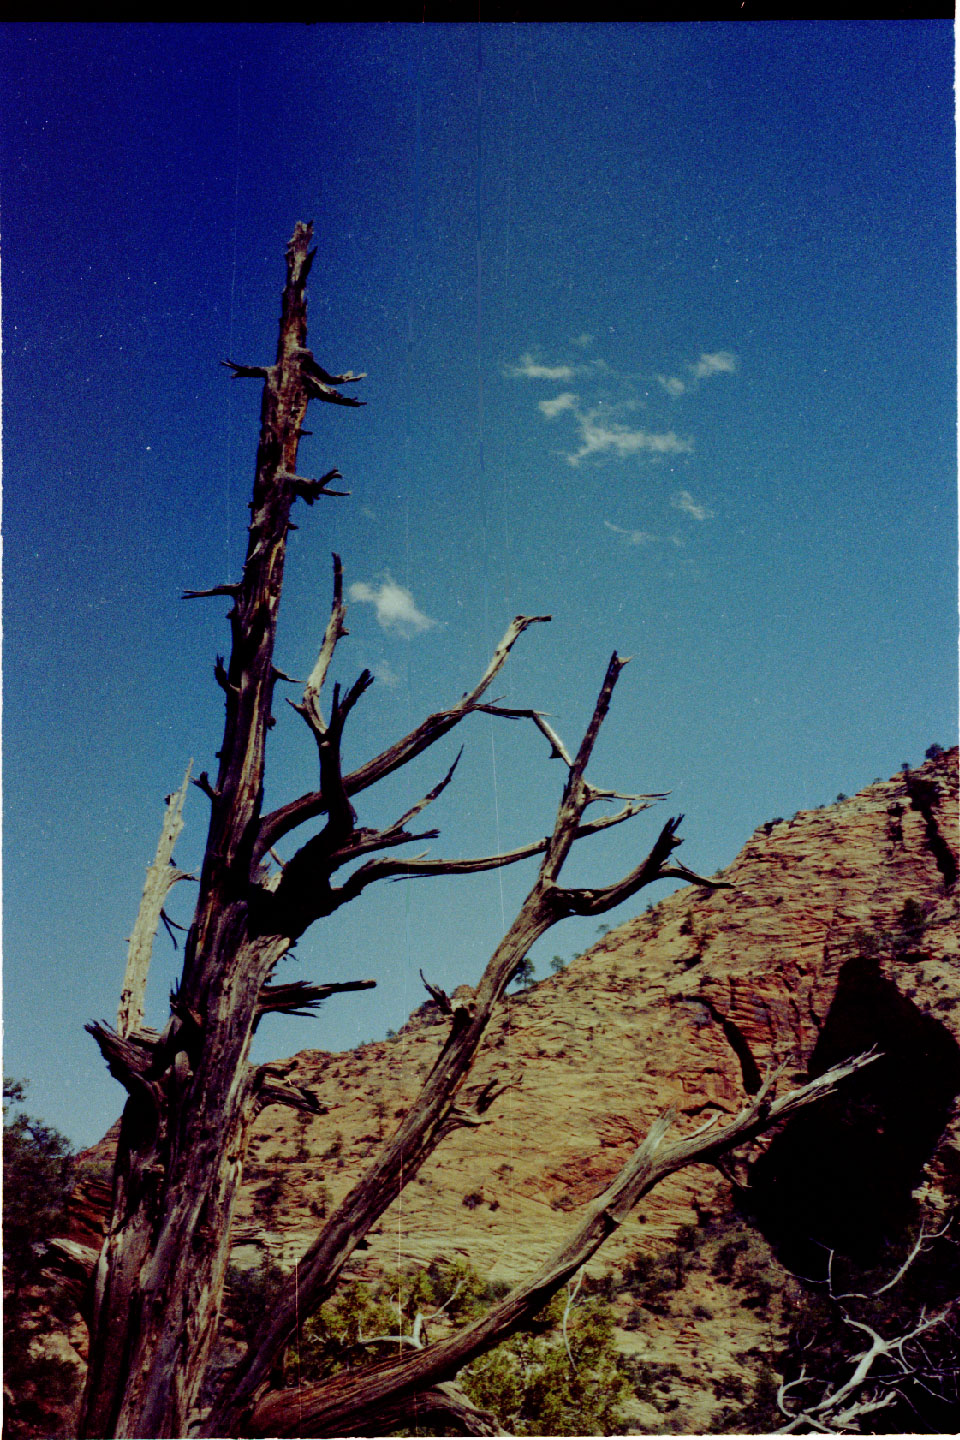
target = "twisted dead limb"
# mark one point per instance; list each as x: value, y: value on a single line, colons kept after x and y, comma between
x: 350, y: 1402
x: 434, y: 1113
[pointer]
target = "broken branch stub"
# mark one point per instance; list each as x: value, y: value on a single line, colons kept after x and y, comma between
x: 162, y: 875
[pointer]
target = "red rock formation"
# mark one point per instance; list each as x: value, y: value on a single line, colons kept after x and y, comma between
x: 686, y: 1005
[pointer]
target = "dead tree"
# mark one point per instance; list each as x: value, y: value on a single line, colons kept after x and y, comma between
x: 918, y: 1357
x: 192, y: 1093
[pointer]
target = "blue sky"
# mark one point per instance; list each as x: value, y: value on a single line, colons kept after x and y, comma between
x: 659, y: 324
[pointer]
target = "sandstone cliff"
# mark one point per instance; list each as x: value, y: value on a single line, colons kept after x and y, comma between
x: 839, y: 933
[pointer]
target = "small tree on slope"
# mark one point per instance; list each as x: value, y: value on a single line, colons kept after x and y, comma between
x: 192, y: 1093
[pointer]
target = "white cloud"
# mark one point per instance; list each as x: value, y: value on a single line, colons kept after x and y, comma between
x: 530, y: 369
x: 551, y: 408
x: 396, y: 608
x: 684, y: 501
x: 673, y: 384
x: 720, y: 362
x: 582, y: 340
x: 599, y: 437
x: 633, y: 537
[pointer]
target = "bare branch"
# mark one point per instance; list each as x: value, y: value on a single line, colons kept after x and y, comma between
x: 397, y: 869
x: 573, y: 1290
x: 418, y: 866
x: 314, y: 368
x: 429, y: 798
x: 162, y: 875
x: 558, y: 750
x: 595, y: 902
x: 444, y: 1407
x: 230, y: 590
x: 432, y: 1115
x: 249, y: 372
x: 202, y: 782
x: 576, y: 794
x: 353, y: 1400
x: 178, y: 1168
x: 300, y: 997
x: 280, y: 822
x: 318, y: 391
x: 309, y: 707
x: 922, y: 1242
x: 438, y: 995
x: 272, y: 1088
x: 320, y: 384
x: 311, y: 490
x: 682, y: 872
x: 870, y: 1385
x: 604, y: 822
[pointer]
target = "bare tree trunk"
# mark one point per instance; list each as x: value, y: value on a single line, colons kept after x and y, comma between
x: 161, y: 1271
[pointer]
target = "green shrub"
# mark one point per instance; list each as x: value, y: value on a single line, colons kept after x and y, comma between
x: 523, y: 976
x: 529, y: 1381
x: 38, y: 1171
x: 536, y: 1388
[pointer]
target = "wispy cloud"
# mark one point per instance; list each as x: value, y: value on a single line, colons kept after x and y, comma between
x: 717, y: 362
x: 531, y: 369
x: 673, y: 384
x: 602, y: 436
x: 720, y: 362
x: 684, y: 501
x: 556, y: 406
x: 599, y: 437
x: 395, y: 607
x: 632, y: 537
x: 606, y: 398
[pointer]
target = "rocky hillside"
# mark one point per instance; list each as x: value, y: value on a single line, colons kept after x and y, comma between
x: 840, y: 932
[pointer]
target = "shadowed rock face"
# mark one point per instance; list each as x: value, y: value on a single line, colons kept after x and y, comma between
x: 842, y: 1178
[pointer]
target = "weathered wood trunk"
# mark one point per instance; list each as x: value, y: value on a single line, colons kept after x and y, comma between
x: 160, y: 1277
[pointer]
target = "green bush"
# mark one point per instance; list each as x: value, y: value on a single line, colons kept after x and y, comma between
x: 523, y: 976
x: 536, y: 1388
x: 38, y: 1168
x: 529, y: 1381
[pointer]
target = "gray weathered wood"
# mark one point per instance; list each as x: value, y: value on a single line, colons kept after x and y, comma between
x: 162, y: 875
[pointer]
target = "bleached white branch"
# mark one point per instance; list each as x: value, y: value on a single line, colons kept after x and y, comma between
x: 162, y: 875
